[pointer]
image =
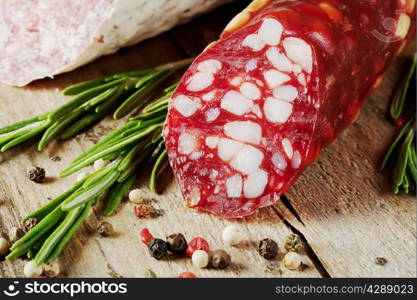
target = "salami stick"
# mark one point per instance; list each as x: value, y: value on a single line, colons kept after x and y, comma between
x: 42, y: 38
x: 285, y: 77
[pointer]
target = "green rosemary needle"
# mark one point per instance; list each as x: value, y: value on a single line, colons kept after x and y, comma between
x: 128, y: 147
x: 92, y: 101
x: 402, y: 151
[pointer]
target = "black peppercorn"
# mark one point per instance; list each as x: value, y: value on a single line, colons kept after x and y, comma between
x: 29, y: 224
x: 37, y: 175
x: 220, y: 259
x: 268, y: 248
x: 177, y: 243
x: 157, y: 248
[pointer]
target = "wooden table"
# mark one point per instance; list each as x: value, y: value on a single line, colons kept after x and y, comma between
x: 341, y: 206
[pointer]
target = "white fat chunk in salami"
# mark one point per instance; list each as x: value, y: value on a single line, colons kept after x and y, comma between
x: 185, y: 105
x: 194, y: 197
x: 279, y: 60
x: 200, y: 81
x: 234, y: 186
x: 296, y: 160
x: 228, y: 148
x: 279, y: 161
x: 212, y: 114
x: 251, y: 65
x: 209, y: 96
x: 255, y: 184
x: 250, y: 91
x: 244, y: 131
x: 236, y: 81
x: 236, y: 103
x: 254, y: 42
x: 212, y: 141
x: 300, y: 52
x: 271, y: 31
x: 210, y: 66
x: 186, y: 143
x: 247, y: 160
x: 257, y: 111
x: 277, y: 110
x: 275, y: 78
x: 285, y: 92
x: 287, y: 147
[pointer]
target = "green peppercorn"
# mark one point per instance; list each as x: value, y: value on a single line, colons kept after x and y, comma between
x: 220, y: 259
x: 268, y: 248
x: 293, y: 243
x: 157, y: 248
x: 177, y: 243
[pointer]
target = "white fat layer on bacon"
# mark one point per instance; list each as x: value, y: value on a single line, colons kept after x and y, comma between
x: 278, y: 160
x: 270, y: 31
x: 200, y: 81
x: 296, y: 160
x: 212, y: 141
x: 275, y: 78
x: 185, y: 105
x: 300, y: 52
x: 228, y: 148
x: 251, y: 91
x: 286, y: 144
x: 285, y: 92
x: 254, y: 42
x: 236, y: 103
x: 277, y: 110
x: 186, y: 143
x: 255, y: 184
x: 244, y: 131
x: 279, y: 60
x: 234, y: 186
x: 210, y: 66
x: 247, y: 160
x: 212, y: 114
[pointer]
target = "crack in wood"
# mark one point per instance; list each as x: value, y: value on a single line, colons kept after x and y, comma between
x: 307, y: 248
x: 291, y: 208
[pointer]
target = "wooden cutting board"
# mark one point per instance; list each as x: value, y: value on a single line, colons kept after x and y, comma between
x: 342, y: 206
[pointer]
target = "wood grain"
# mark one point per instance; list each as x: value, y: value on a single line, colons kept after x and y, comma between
x: 348, y: 216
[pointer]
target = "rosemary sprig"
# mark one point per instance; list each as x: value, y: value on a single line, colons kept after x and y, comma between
x: 402, y: 151
x: 128, y: 147
x: 92, y: 101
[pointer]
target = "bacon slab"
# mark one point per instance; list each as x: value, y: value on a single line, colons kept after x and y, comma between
x: 285, y: 77
x: 42, y: 38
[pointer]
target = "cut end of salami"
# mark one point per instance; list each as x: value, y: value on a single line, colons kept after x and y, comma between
x: 41, y: 39
x: 256, y: 107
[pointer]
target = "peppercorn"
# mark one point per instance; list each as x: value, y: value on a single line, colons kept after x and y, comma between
x: 220, y: 259
x: 142, y: 211
x: 105, y: 229
x: 380, y: 261
x: 293, y: 243
x: 157, y: 248
x: 37, y: 175
x: 268, y: 248
x: 145, y: 236
x: 186, y: 275
x: 4, y: 246
x: 292, y: 260
x: 177, y: 243
x: 29, y: 224
x: 197, y: 244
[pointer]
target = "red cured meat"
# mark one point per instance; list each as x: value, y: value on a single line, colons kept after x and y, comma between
x: 257, y: 106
